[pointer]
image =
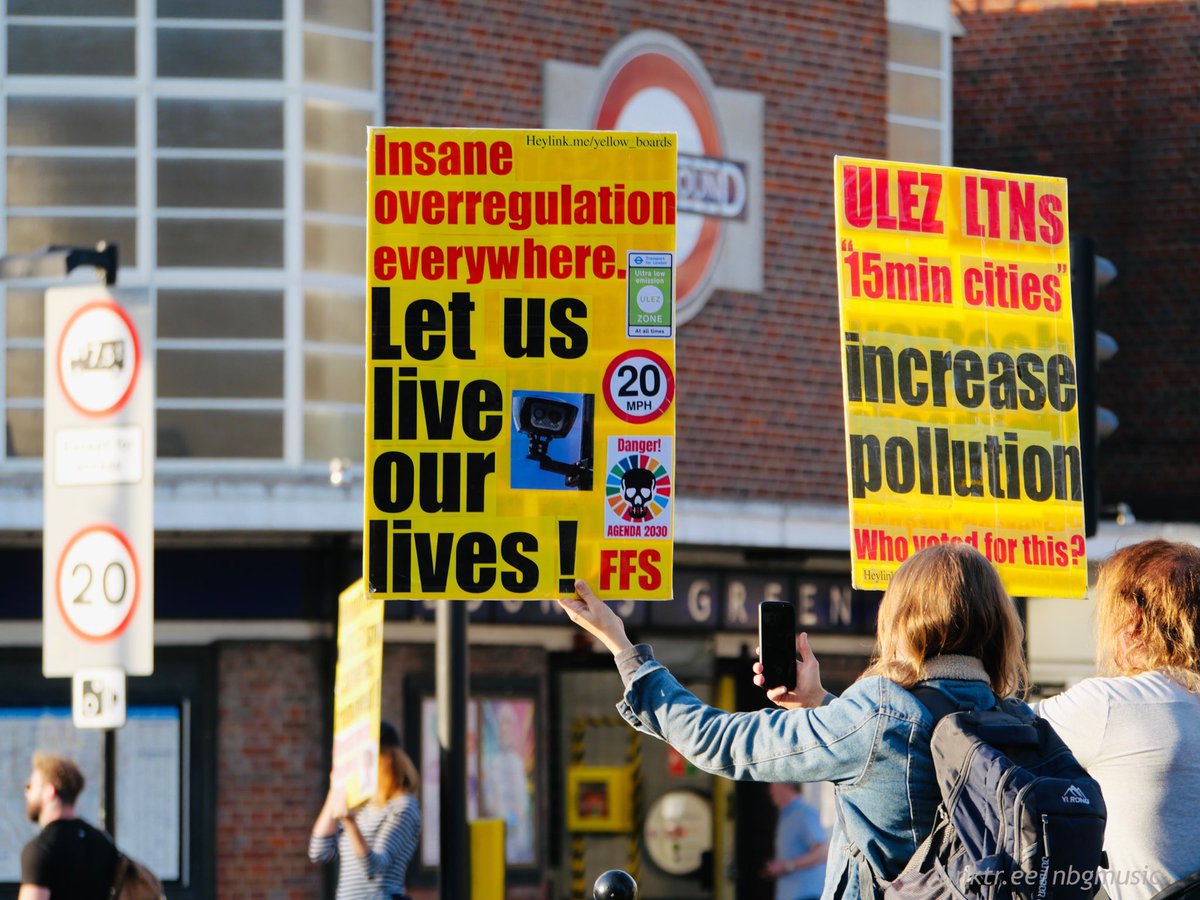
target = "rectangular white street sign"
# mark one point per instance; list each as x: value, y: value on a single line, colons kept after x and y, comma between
x: 98, y: 698
x: 98, y: 482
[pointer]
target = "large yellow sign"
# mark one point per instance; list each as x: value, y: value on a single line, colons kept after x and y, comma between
x: 958, y: 370
x: 357, y: 693
x: 521, y: 355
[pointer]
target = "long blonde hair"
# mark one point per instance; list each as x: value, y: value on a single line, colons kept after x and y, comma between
x: 1149, y: 592
x: 947, y: 598
x: 397, y: 775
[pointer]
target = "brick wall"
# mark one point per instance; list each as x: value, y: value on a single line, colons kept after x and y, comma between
x: 1105, y: 94
x: 273, y: 755
x: 760, y: 411
x: 272, y: 769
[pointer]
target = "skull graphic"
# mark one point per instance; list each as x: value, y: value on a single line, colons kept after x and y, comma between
x: 637, y: 487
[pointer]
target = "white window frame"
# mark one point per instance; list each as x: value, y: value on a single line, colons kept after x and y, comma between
x: 934, y: 15
x: 285, y: 476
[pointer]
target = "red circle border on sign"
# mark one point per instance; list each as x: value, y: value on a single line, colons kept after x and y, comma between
x: 137, y: 359
x: 137, y: 585
x: 667, y: 373
x: 658, y: 67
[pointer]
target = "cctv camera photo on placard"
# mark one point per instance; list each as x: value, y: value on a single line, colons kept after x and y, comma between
x: 547, y: 427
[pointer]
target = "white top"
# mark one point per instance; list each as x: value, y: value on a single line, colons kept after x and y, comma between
x: 1139, y: 737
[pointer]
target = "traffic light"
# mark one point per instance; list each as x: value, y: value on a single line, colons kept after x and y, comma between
x: 1090, y: 274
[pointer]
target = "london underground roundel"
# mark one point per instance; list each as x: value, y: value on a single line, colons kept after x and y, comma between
x: 655, y: 86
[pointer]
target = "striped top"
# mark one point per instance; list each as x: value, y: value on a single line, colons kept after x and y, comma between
x: 390, y: 832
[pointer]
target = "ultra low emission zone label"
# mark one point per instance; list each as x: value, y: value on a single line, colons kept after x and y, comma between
x: 650, y: 283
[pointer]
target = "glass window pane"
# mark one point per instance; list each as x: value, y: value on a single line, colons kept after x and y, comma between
x: 29, y: 233
x: 354, y: 14
x: 220, y: 9
x: 332, y: 377
x: 338, y: 249
x: 70, y: 50
x: 220, y: 314
x: 220, y: 242
x: 23, y: 432
x: 333, y: 434
x: 24, y: 315
x: 339, y: 61
x: 335, y: 189
x: 911, y: 143
x: 336, y: 129
x: 23, y: 371
x: 243, y: 374
x: 334, y: 318
x: 915, y: 46
x: 219, y: 53
x: 222, y: 124
x: 70, y: 122
x: 236, y: 184
x: 919, y: 96
x: 72, y: 7
x: 41, y: 181
x: 220, y: 434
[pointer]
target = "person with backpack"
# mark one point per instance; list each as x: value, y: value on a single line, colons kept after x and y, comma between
x: 945, y: 623
x: 1136, y: 729
x: 69, y: 859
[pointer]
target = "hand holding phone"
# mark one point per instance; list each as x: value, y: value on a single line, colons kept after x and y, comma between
x: 777, y: 643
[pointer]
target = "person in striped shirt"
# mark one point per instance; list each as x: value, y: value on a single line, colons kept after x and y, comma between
x: 375, y: 841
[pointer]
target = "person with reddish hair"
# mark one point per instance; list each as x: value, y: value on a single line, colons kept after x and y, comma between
x: 1136, y: 728
x: 374, y: 842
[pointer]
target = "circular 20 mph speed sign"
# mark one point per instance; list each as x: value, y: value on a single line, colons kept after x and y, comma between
x: 639, y: 386
x: 97, y: 583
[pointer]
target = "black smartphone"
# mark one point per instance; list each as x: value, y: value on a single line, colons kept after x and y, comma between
x: 777, y: 643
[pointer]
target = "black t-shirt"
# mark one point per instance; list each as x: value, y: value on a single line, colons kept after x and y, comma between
x: 71, y: 858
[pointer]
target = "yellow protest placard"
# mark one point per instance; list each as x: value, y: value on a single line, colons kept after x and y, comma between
x: 521, y: 356
x: 357, y: 693
x: 958, y: 371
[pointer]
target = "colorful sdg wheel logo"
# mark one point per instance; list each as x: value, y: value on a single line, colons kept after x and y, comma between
x: 638, y: 488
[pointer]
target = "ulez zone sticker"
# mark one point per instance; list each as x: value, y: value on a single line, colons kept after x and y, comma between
x: 649, y: 278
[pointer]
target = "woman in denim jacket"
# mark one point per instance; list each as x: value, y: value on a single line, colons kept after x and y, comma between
x: 945, y: 620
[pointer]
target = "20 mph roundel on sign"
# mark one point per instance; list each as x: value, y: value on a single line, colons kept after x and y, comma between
x: 639, y: 386
x: 97, y: 583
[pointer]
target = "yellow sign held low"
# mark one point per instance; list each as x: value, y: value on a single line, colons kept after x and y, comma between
x: 357, y: 693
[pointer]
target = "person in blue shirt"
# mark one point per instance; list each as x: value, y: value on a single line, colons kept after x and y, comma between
x: 945, y: 620
x: 800, y: 846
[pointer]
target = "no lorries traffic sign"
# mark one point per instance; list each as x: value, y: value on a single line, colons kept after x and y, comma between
x: 98, y: 529
x: 98, y: 358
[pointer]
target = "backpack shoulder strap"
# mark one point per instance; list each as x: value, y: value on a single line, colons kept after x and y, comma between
x: 119, y: 876
x: 936, y: 701
x: 870, y: 885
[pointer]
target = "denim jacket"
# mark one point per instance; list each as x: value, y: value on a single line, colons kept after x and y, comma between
x: 872, y: 743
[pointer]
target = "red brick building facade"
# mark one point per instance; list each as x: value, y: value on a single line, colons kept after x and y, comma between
x: 1104, y: 95
x: 759, y: 376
